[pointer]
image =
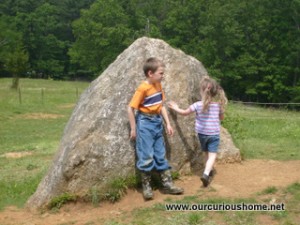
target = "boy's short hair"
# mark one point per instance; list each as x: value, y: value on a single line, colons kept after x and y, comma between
x: 152, y: 65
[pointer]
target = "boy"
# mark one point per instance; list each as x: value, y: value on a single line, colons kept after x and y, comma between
x: 147, y: 128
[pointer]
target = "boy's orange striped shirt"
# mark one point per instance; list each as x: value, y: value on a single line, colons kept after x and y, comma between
x: 148, y: 98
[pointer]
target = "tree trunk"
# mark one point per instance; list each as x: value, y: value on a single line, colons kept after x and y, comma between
x: 15, y: 82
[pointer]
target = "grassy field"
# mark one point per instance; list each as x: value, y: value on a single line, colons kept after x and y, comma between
x: 264, y: 133
x: 34, y: 125
x: 33, y: 120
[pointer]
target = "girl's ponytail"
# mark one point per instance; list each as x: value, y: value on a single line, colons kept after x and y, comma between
x: 222, y: 98
x: 210, y: 90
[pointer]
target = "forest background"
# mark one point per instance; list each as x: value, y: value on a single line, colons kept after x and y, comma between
x: 251, y: 47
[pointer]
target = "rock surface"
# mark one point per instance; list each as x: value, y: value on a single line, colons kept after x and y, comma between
x: 95, y: 148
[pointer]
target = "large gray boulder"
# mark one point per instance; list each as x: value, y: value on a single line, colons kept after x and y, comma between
x: 95, y: 147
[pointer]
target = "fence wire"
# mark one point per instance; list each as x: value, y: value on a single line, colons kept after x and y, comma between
x: 283, y: 110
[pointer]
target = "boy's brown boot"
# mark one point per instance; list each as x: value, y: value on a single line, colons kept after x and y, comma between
x: 147, y: 190
x: 167, y: 181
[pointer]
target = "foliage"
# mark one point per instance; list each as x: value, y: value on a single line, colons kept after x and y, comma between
x: 59, y: 201
x: 13, y: 56
x: 45, y: 27
x: 113, y: 192
x: 101, y: 33
x: 242, y: 43
x: 251, y: 47
x: 233, y: 122
x: 16, y: 64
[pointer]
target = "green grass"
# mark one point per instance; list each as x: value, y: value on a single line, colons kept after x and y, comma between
x: 158, y: 214
x: 114, y: 190
x: 264, y: 133
x: 59, y: 201
x: 269, y: 190
x: 24, y: 129
x: 20, y: 131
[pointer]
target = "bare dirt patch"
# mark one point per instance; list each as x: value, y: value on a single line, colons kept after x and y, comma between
x: 239, y: 180
x: 38, y: 116
x: 67, y: 106
x: 16, y: 155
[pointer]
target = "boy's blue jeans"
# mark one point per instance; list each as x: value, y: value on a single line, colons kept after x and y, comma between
x: 150, y: 147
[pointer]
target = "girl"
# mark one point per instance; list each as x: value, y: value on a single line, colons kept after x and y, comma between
x: 209, y: 111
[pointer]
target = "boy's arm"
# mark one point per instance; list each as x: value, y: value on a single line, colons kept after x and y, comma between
x: 173, y: 105
x: 166, y: 118
x: 131, y: 117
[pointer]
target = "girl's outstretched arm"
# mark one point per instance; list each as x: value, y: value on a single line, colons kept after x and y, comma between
x: 173, y: 105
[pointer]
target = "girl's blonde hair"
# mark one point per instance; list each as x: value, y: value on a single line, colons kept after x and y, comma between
x: 210, y: 91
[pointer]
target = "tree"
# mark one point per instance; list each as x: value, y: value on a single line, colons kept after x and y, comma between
x: 251, y: 47
x: 16, y: 64
x: 294, y: 56
x: 209, y: 31
x: 101, y: 33
x: 47, y: 32
x: 13, y: 56
x: 45, y: 49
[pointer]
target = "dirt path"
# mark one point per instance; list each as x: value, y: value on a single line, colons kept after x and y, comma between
x: 232, y: 181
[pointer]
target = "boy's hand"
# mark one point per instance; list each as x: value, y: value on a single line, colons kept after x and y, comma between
x: 170, y: 130
x: 132, y: 135
x: 172, y: 105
